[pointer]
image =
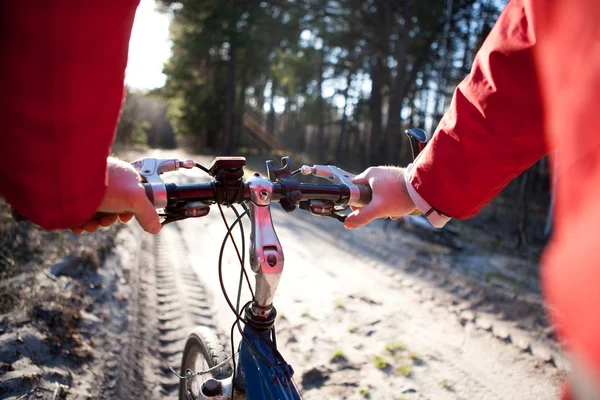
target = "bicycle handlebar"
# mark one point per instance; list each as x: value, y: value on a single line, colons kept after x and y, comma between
x: 214, y: 193
x: 193, y: 200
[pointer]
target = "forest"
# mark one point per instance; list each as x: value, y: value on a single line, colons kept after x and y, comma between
x: 339, y: 80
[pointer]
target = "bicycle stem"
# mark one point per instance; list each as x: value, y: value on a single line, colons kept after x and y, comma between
x: 266, y: 254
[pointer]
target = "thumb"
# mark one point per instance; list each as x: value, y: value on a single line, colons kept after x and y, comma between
x: 363, y: 177
x: 362, y: 216
x: 146, y: 216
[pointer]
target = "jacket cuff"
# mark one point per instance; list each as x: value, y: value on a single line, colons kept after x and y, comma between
x: 436, y: 218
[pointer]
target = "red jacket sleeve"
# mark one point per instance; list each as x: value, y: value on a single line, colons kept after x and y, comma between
x: 63, y: 64
x: 493, y: 130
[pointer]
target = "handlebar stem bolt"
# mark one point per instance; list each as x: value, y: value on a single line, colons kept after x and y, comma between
x: 264, y: 195
x: 295, y: 196
x: 272, y: 260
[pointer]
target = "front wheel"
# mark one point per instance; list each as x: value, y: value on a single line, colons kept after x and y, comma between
x: 202, y: 351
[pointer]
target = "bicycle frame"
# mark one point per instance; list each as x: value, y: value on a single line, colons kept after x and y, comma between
x: 260, y: 380
x: 261, y: 371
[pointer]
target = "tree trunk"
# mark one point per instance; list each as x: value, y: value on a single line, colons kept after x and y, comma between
x: 230, y: 100
x: 271, y: 117
x: 444, y: 70
x: 260, y: 99
x: 342, y: 139
x: 394, y: 123
x: 239, y: 114
x: 320, y: 102
x: 378, y: 81
x: 376, y: 103
x: 467, y: 56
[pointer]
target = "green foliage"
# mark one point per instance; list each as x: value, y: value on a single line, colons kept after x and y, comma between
x: 229, y: 57
x: 132, y: 128
x: 338, y: 355
x: 445, y: 384
x: 381, y: 362
x: 405, y: 369
x: 395, y: 347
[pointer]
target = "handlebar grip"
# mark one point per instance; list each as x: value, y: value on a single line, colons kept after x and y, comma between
x: 365, y: 195
x: 99, y: 214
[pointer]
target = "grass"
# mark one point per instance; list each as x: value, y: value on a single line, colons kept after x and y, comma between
x: 352, y: 329
x: 338, y: 355
x: 381, y: 362
x: 395, y: 347
x: 405, y: 369
x: 340, y: 303
x: 305, y: 314
x: 413, y: 355
x: 364, y: 392
x: 445, y: 384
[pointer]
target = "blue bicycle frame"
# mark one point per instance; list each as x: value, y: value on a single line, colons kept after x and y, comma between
x: 262, y: 380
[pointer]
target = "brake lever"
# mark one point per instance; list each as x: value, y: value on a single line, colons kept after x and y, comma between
x: 323, y: 209
x: 189, y: 210
x: 339, y: 217
x: 360, y: 195
x: 150, y: 170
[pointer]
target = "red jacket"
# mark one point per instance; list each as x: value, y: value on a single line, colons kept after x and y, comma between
x: 63, y: 66
x: 534, y: 86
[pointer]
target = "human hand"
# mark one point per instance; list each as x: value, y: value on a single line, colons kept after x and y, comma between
x: 390, y: 196
x: 125, y: 198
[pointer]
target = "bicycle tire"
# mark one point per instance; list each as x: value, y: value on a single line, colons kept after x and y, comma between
x: 203, y: 342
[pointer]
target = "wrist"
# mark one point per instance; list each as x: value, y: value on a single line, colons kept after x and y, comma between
x: 436, y: 218
x: 412, y: 208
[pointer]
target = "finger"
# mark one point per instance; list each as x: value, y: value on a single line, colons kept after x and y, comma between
x: 125, y: 217
x: 146, y: 215
x: 108, y: 220
x: 91, y: 226
x: 363, y: 177
x: 362, y: 216
x: 78, y: 230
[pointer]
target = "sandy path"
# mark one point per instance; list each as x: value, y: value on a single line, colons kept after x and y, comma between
x: 347, y: 294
